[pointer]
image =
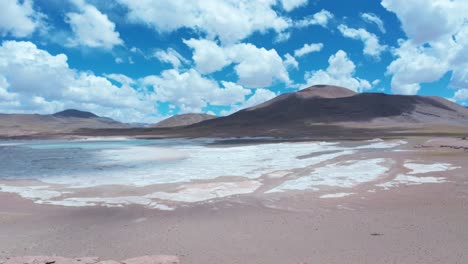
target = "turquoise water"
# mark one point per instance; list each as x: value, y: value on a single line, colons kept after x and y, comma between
x: 59, y: 160
x: 90, y: 144
x: 140, y: 162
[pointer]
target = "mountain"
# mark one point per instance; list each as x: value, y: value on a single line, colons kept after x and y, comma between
x: 75, y: 113
x: 320, y: 112
x: 62, y: 122
x: 331, y: 104
x: 183, y: 120
x: 323, y: 106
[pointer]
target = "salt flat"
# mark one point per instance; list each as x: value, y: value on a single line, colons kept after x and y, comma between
x: 124, y: 197
x: 163, y: 174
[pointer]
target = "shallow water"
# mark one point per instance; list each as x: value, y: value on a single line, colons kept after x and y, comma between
x: 144, y: 162
x: 65, y: 172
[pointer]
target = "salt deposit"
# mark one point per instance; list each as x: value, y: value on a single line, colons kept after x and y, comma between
x: 379, y: 144
x: 31, y: 192
x: 191, y: 162
x: 76, y: 165
x: 207, y: 191
x: 335, y: 195
x: 402, y: 179
x: 345, y: 175
x: 107, y: 201
x: 425, y: 168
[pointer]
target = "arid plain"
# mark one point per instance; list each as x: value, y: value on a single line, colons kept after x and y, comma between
x: 399, y: 200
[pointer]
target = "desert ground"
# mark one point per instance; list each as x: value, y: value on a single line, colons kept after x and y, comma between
x: 408, y: 213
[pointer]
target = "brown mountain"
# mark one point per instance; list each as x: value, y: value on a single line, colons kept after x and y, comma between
x: 331, y: 104
x: 316, y: 112
x: 323, y: 106
x: 61, y: 122
x: 75, y: 113
x: 183, y: 120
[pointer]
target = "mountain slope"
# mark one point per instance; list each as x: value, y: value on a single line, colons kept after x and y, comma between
x: 321, y: 112
x: 61, y: 122
x: 183, y: 120
x: 332, y: 105
x: 75, y: 113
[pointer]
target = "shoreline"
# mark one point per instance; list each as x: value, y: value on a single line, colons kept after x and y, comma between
x: 312, y: 131
x: 418, y: 219
x: 383, y: 164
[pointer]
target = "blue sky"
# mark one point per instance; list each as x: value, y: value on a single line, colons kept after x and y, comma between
x: 144, y: 60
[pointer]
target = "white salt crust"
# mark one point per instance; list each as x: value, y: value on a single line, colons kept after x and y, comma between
x: 335, y: 195
x: 177, y: 161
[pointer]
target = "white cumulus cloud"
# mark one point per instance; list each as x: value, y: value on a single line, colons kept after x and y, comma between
x: 320, y: 18
x: 372, y: 47
x: 426, y: 55
x: 261, y: 95
x: 191, y: 92
x: 340, y: 72
x: 18, y: 18
x: 120, y: 78
x: 255, y: 67
x: 290, y: 5
x: 425, y: 21
x: 92, y: 28
x: 461, y: 95
x: 33, y: 80
x: 373, y: 18
x: 208, y: 56
x: 230, y: 20
x: 170, y: 56
x: 308, y: 48
x: 414, y: 65
x: 290, y: 61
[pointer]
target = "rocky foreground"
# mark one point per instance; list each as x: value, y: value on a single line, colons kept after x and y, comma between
x: 157, y: 259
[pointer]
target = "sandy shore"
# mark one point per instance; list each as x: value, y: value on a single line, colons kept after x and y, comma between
x: 425, y: 223
x: 417, y: 224
x: 157, y: 259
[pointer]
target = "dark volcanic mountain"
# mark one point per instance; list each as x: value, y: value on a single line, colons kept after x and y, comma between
x: 327, y: 105
x: 62, y: 122
x: 183, y: 120
x: 316, y: 112
x: 75, y: 113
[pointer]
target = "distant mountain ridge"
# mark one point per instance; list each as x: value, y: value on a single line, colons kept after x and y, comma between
x: 318, y: 111
x: 183, y: 120
x: 324, y: 104
x: 65, y: 121
x: 75, y: 113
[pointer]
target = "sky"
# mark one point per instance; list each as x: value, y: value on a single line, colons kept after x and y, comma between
x: 144, y: 60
